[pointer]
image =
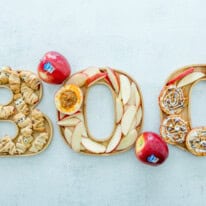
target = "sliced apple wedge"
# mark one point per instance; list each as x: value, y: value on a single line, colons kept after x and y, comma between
x: 107, y: 81
x: 78, y: 79
x: 78, y: 115
x: 114, y: 140
x: 95, y: 78
x: 127, y: 119
x: 134, y: 97
x: 93, y: 146
x: 139, y: 116
x: 61, y: 115
x: 181, y: 75
x: 190, y: 78
x: 125, y: 88
x: 91, y: 71
x: 68, y: 135
x: 133, y: 124
x: 68, y: 122
x: 113, y: 79
x: 77, y: 137
x: 131, y: 100
x: 128, y: 140
x: 119, y: 110
x: 82, y: 148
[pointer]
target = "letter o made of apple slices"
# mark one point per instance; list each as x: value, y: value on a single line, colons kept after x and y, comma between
x: 33, y: 128
x: 174, y: 102
x: 71, y: 100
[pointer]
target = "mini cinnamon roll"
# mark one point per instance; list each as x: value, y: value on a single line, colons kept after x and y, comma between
x: 172, y: 100
x: 174, y: 129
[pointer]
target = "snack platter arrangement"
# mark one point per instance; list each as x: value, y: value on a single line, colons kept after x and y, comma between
x: 128, y: 111
x: 174, y: 102
x: 34, y: 129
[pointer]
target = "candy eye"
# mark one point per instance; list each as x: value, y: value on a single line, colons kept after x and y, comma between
x: 21, y: 119
x: 25, y: 140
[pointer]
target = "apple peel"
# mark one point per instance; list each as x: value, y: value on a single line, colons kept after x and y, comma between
x: 190, y: 78
x: 180, y: 76
x: 95, y: 78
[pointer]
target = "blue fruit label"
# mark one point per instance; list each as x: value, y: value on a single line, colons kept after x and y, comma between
x: 152, y: 159
x: 48, y: 67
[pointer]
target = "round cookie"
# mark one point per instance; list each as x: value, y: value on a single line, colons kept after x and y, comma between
x: 174, y: 102
x: 34, y: 129
x: 72, y: 119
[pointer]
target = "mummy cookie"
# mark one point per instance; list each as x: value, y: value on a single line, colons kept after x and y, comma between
x: 34, y: 129
x: 71, y: 101
x: 174, y: 102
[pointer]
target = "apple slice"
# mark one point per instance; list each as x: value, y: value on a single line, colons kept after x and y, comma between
x: 82, y: 148
x: 92, y: 146
x: 95, y: 78
x: 77, y: 137
x: 139, y: 116
x: 131, y: 100
x: 114, y: 140
x: 78, y: 79
x: 119, y: 110
x: 77, y: 115
x: 190, y: 78
x: 107, y: 81
x: 68, y: 121
x: 128, y: 140
x: 133, y: 124
x: 181, y: 75
x: 91, y: 71
x: 113, y: 79
x: 134, y: 97
x: 68, y: 135
x: 127, y: 119
x: 125, y: 88
x: 61, y: 115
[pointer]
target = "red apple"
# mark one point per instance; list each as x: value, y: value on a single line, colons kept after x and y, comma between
x: 151, y: 149
x: 54, y: 68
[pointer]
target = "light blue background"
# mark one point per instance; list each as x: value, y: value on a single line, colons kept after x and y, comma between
x: 148, y: 40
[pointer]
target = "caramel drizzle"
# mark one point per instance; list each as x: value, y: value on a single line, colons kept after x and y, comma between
x: 198, y: 141
x: 175, y: 129
x: 173, y: 100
